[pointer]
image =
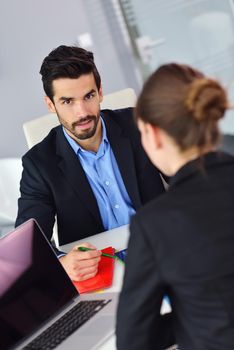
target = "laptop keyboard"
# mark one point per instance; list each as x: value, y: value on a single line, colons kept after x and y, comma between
x: 67, y: 324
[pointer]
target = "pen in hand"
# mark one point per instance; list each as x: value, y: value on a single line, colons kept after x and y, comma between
x: 84, y: 249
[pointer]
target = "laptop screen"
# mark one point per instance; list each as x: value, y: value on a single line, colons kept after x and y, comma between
x: 33, y: 284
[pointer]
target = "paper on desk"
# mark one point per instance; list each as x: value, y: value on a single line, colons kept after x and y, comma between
x: 103, y: 278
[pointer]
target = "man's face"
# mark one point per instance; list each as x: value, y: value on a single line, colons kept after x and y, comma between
x: 77, y: 104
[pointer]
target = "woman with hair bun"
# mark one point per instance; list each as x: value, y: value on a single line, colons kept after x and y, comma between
x: 182, y: 243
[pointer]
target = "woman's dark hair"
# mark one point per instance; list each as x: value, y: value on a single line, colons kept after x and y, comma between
x: 184, y: 103
x: 67, y: 62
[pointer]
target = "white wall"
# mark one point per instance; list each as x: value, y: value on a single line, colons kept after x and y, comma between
x: 29, y: 30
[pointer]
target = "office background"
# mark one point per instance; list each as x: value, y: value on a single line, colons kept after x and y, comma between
x: 129, y: 38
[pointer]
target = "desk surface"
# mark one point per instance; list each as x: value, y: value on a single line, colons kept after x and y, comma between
x: 117, y: 238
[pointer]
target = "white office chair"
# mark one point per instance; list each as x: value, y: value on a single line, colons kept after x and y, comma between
x: 10, y: 175
x: 35, y: 130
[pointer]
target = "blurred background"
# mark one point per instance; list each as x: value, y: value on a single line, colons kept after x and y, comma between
x: 129, y: 38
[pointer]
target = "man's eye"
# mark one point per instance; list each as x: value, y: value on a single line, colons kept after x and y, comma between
x: 66, y: 102
x: 90, y: 96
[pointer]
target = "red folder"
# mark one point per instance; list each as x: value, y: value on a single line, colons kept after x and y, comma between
x: 103, y: 278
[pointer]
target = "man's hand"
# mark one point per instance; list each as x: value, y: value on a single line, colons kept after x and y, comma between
x: 81, y: 265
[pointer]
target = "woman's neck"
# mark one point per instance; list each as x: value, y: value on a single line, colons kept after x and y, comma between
x: 180, y: 158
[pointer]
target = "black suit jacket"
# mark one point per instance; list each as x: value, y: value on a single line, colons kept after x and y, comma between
x: 54, y: 182
x: 182, y: 245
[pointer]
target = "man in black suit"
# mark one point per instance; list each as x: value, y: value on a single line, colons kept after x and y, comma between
x: 91, y: 171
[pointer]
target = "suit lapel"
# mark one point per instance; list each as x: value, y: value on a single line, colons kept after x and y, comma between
x: 123, y: 153
x: 72, y: 170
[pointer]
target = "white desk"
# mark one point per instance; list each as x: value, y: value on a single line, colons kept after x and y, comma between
x: 118, y: 239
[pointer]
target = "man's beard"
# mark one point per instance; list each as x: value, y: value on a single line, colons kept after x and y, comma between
x: 84, y: 134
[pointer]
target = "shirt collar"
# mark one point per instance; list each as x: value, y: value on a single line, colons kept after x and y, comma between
x: 76, y: 147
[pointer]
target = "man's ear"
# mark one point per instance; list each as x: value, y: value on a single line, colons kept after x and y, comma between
x: 50, y: 105
x: 100, y: 92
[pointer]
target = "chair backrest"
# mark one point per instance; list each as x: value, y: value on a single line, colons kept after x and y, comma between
x: 35, y: 130
x: 119, y: 99
x: 10, y: 175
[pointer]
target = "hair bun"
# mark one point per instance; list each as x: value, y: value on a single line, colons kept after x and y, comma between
x: 206, y: 99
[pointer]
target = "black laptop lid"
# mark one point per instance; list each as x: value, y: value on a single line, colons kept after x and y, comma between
x: 33, y: 284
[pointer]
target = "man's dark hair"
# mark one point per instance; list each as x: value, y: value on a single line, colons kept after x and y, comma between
x: 67, y: 62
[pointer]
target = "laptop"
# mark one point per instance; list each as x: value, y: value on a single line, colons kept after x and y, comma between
x: 39, y: 306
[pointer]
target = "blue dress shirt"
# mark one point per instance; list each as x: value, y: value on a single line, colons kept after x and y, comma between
x: 104, y: 177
